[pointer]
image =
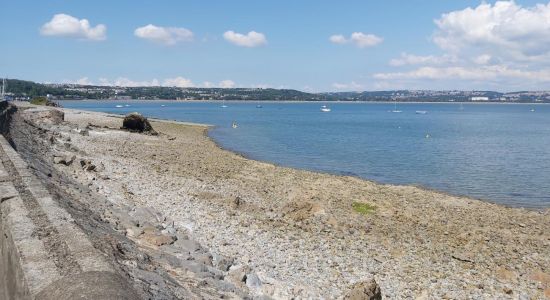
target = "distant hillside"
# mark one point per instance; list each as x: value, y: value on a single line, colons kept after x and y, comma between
x: 20, y: 89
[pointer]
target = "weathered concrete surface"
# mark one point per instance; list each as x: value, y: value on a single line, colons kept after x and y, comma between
x: 44, y: 254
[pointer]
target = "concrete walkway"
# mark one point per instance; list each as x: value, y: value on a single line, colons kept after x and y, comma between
x: 44, y: 255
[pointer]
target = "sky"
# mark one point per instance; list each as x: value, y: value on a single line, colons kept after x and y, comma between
x: 314, y: 46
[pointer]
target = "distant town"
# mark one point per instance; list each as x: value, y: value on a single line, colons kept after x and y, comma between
x: 27, y: 90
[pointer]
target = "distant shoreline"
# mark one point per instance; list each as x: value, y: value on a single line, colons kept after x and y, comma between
x: 305, y: 101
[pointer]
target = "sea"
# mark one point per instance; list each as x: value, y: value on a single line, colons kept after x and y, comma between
x: 494, y: 152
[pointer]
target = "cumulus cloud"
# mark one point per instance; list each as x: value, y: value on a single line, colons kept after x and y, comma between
x: 505, y: 28
x: 227, y: 84
x: 502, y: 44
x: 338, y: 39
x: 359, y: 39
x: 411, y: 59
x: 64, y: 25
x: 178, y: 82
x: 251, y: 39
x: 164, y: 35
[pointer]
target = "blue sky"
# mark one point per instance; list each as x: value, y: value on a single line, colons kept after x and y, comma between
x: 305, y: 45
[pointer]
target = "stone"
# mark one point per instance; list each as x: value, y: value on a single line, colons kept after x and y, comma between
x: 547, y: 293
x: 505, y: 274
x: 365, y: 290
x: 541, y: 277
x: 237, y: 275
x: 64, y: 160
x: 222, y: 262
x: 137, y: 123
x: 253, y: 281
x: 87, y: 165
x: 134, y: 232
x: 158, y: 239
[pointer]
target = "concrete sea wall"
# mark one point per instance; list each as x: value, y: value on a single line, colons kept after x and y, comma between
x: 44, y: 255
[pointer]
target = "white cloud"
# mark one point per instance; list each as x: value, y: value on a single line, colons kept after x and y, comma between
x: 208, y: 84
x: 482, y: 59
x: 164, y: 35
x: 68, y: 26
x: 122, y: 81
x: 493, y: 72
x: 227, y: 83
x: 251, y: 39
x: 505, y: 29
x: 178, y: 82
x: 348, y: 86
x: 359, y: 39
x: 503, y: 45
x: 84, y: 81
x: 411, y: 59
x: 338, y: 39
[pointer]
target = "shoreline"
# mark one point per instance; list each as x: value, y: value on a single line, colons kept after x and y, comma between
x: 300, y: 231
x: 335, y: 173
x: 310, y: 101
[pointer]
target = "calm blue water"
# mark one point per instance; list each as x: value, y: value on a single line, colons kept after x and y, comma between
x: 496, y: 152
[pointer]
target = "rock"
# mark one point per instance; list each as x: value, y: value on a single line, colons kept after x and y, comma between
x: 137, y: 123
x: 547, y: 293
x: 65, y: 160
x: 253, y: 281
x: 222, y: 262
x: 46, y: 116
x: 134, y: 232
x: 366, y: 290
x: 87, y: 165
x: 540, y: 277
x: 237, y: 275
x: 146, y: 214
x: 505, y: 274
x: 158, y: 239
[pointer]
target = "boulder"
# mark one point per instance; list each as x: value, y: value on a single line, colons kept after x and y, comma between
x: 365, y: 290
x: 137, y: 123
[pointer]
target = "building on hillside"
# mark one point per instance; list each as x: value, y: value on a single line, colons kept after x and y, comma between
x: 479, y: 98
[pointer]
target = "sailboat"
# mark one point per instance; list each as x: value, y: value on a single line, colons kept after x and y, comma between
x: 395, y: 107
x: 325, y: 108
x: 461, y: 106
x: 223, y: 104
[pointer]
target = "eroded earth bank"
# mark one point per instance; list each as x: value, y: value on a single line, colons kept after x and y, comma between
x: 183, y: 218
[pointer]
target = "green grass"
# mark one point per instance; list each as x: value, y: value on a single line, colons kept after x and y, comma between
x: 363, y: 208
x: 39, y: 101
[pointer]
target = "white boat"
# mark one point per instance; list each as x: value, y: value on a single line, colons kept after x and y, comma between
x: 223, y: 104
x: 421, y: 112
x: 119, y: 106
x: 532, y: 109
x: 324, y: 108
x: 127, y: 105
x: 395, y: 108
x: 234, y: 125
x: 162, y: 105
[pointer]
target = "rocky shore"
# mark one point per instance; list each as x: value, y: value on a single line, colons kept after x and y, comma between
x: 202, y: 222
